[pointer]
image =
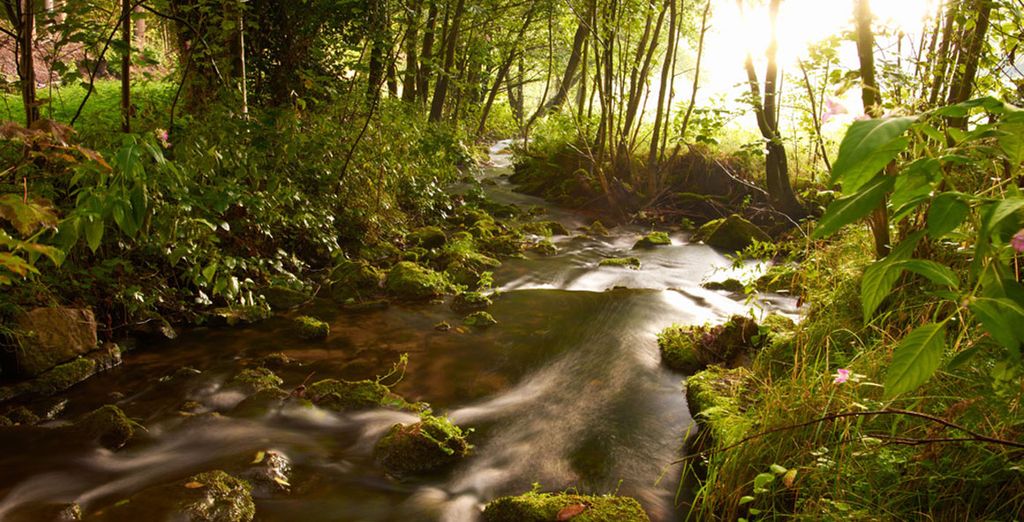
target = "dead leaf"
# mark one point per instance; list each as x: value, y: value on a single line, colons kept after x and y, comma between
x: 570, y: 511
x: 194, y: 485
x: 260, y: 455
x: 789, y: 478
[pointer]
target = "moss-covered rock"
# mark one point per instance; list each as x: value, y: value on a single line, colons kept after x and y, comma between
x: 260, y: 403
x: 715, y: 398
x: 256, y: 379
x: 413, y: 282
x: 480, y: 319
x: 729, y: 285
x: 427, y: 237
x: 212, y: 496
x: 353, y: 280
x: 780, y: 278
x: 467, y: 302
x: 545, y: 228
x: 731, y: 234
x: 679, y: 349
x: 311, y: 328
x: 23, y: 416
x: 5, y: 422
x: 544, y: 247
x: 379, y: 253
x: 276, y: 360
x: 284, y: 298
x: 652, y: 240
x: 64, y: 376
x: 107, y: 425
x: 597, y: 229
x: 342, y: 396
x: 690, y: 348
x: 239, y: 315
x: 548, y: 507
x: 627, y: 262
x: 427, y: 446
x: 504, y: 244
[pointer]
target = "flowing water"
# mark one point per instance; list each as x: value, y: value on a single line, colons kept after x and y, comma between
x: 567, y: 391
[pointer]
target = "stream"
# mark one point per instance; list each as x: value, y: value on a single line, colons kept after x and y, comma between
x: 567, y: 391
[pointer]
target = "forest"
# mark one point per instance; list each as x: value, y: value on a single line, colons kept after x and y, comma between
x: 511, y: 260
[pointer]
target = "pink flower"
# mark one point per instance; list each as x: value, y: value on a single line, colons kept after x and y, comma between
x: 163, y: 137
x: 1017, y: 241
x: 833, y: 107
x: 842, y: 375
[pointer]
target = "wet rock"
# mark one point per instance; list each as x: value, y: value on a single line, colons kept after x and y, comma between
x: 107, y: 425
x: 268, y: 473
x: 276, y: 360
x: 65, y: 376
x: 212, y: 496
x: 427, y: 446
x: 652, y: 240
x: 238, y: 315
x: 470, y: 302
x: 427, y: 237
x: 597, y: 229
x: 545, y: 228
x: 366, y: 306
x: 353, y: 280
x: 284, y: 298
x: 260, y: 403
x: 52, y: 408
x: 413, y: 282
x: 311, y: 328
x: 729, y: 285
x: 548, y: 507
x: 480, y: 319
x: 627, y: 262
x: 443, y: 326
x: 379, y: 252
x: 342, y: 396
x: 730, y: 234
x: 50, y: 336
x: 780, y: 278
x: 256, y: 379
x: 691, y: 348
x: 506, y: 244
x: 22, y: 416
x: 544, y: 247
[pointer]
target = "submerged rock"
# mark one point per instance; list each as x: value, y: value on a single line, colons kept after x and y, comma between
x: 480, y: 319
x: 311, y: 328
x: 256, y: 379
x: 548, y: 507
x: 430, y: 445
x: 410, y: 281
x: 50, y: 336
x: 212, y: 496
x: 470, y: 302
x: 627, y: 262
x: 731, y: 234
x: 652, y: 240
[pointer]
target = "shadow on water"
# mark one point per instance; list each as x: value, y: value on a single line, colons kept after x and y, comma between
x: 567, y: 391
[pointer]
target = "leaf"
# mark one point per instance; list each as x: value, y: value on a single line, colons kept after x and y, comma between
x: 93, y: 233
x: 746, y: 499
x: 777, y: 469
x: 931, y: 270
x: 1003, y: 319
x: 26, y: 217
x: 947, y: 212
x: 867, y: 148
x: 194, y: 485
x: 570, y: 511
x: 1003, y: 210
x: 282, y: 481
x: 846, y: 210
x: 915, y: 181
x: 762, y: 480
x: 915, y: 359
x: 260, y: 455
x: 875, y: 286
x: 789, y: 478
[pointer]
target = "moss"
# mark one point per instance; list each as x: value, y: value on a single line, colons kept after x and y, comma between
x: 443, y: 326
x: 547, y: 507
x: 353, y: 280
x: 480, y: 319
x: 729, y: 285
x: 715, y: 398
x: 239, y: 315
x: 597, y: 229
x: 430, y: 445
x: 342, y: 396
x: 311, y: 328
x: 545, y: 228
x: 427, y: 237
x: 108, y: 425
x: 23, y: 416
x: 5, y: 422
x: 779, y: 278
x: 652, y: 240
x: 215, y: 496
x: 731, y: 234
x: 379, y: 252
x: 276, y: 360
x: 260, y: 403
x: 413, y: 282
x: 628, y: 262
x: 283, y: 298
x: 470, y: 301
x: 64, y: 376
x: 506, y: 244
x: 544, y: 247
x: 257, y: 379
x: 679, y: 349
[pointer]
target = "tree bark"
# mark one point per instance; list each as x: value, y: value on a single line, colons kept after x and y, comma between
x: 126, y: 66
x: 569, y: 76
x: 426, y: 58
x: 967, y: 66
x: 664, y: 85
x: 502, y: 72
x: 872, y: 99
x: 28, y: 67
x: 411, y: 52
x: 441, y: 90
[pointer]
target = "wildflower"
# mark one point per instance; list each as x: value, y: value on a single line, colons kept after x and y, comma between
x: 1017, y: 241
x: 833, y: 107
x: 842, y: 375
x: 163, y: 137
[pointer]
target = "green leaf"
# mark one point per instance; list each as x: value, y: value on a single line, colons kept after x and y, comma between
x: 846, y: 210
x: 1003, y: 210
x: 915, y: 181
x: 93, y: 232
x: 762, y: 480
x: 1003, y: 319
x: 915, y: 359
x: 867, y: 148
x: 746, y: 499
x: 936, y: 273
x: 777, y: 469
x: 876, y: 285
x: 209, y: 272
x: 947, y: 212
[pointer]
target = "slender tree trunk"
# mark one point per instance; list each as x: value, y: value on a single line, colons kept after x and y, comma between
x: 939, y: 72
x: 872, y: 98
x: 967, y: 66
x: 664, y: 85
x: 502, y: 72
x: 411, y: 52
x: 696, y: 72
x: 126, y: 66
x: 427, y: 56
x: 451, y: 39
x: 378, y: 51
x: 569, y: 77
x: 815, y: 117
x: 28, y: 66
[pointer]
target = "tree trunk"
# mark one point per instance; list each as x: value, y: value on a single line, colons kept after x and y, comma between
x: 378, y: 47
x: 967, y: 66
x: 502, y: 72
x: 139, y: 35
x: 569, y: 77
x: 441, y: 90
x: 126, y: 66
x: 411, y: 52
x: 28, y: 67
x: 426, y: 58
x: 664, y: 85
x: 872, y: 99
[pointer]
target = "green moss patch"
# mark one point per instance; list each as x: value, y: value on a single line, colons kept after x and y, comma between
x: 257, y: 379
x: 729, y: 285
x: 715, y: 398
x: 342, y: 396
x: 413, y: 282
x: 547, y: 507
x: 480, y: 319
x: 427, y: 237
x: 544, y: 247
x: 64, y: 376
x: 597, y: 229
x: 652, y: 240
x: 626, y: 262
x: 108, y: 425
x: 353, y: 280
x: 730, y: 234
x: 470, y: 302
x: 311, y: 328
x: 690, y: 348
x: 427, y: 446
x: 545, y: 228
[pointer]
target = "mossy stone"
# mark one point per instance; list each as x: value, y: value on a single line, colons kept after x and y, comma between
x: 691, y: 348
x: 597, y: 229
x: 311, y: 328
x: 342, y: 396
x: 467, y: 302
x: 283, y: 298
x: 5, y: 422
x: 108, y: 425
x: 353, y: 280
x: 545, y: 228
x: 215, y: 496
x: 544, y: 247
x: 679, y: 349
x: 23, y: 416
x: 239, y: 315
x: 427, y: 237
x: 407, y: 280
x: 547, y: 507
x: 779, y: 278
x: 480, y: 319
x: 714, y: 397
x: 729, y: 285
x: 652, y: 240
x: 257, y: 379
x: 730, y: 234
x: 427, y: 446
x: 64, y: 376
x: 626, y: 262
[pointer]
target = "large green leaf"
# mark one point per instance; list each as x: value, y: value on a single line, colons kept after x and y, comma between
x: 915, y: 359
x: 915, y: 182
x: 1003, y: 319
x: 846, y: 210
x: 934, y: 272
x: 867, y: 148
x: 947, y: 212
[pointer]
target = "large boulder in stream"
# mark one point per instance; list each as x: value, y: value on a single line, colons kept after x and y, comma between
x: 50, y: 336
x: 212, y: 496
x: 730, y: 234
x: 548, y: 507
x: 427, y: 446
x: 413, y: 282
x: 689, y: 349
